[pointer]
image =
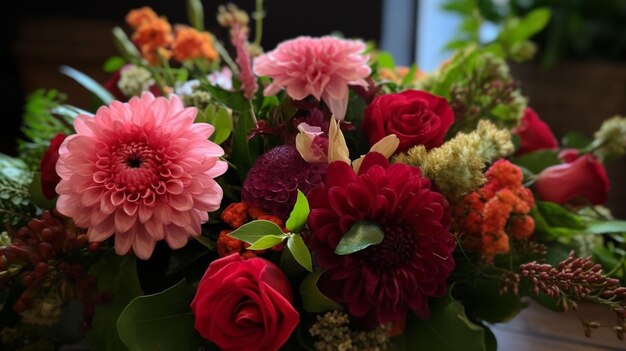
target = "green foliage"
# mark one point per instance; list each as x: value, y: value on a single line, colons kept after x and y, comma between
x: 555, y: 222
x: 112, y: 64
x: 125, y: 47
x: 15, y: 203
x: 313, y: 300
x: 484, y: 301
x: 244, y: 152
x: 361, y: 235
x: 537, y: 161
x: 299, y: 215
x: 88, y: 83
x: 603, y: 227
x: 41, y: 125
x: 447, y: 328
x: 575, y: 140
x: 385, y: 60
x: 195, y: 13
x: 267, y: 241
x: 255, y: 230
x: 118, y: 275
x: 300, y: 252
x: 161, y: 321
x: 221, y: 119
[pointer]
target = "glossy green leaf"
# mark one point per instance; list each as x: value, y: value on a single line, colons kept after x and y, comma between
x: 182, y: 75
x: 313, y: 300
x: 221, y: 119
x: 118, y: 275
x: 447, y: 328
x: 88, y: 83
x: 300, y: 252
x: 161, y: 321
x: 531, y: 24
x: 255, y: 230
x: 607, y: 227
x: 231, y: 99
x: 267, y: 242
x: 537, y: 161
x: 410, y: 75
x: 195, y: 13
x: 360, y: 236
x: 483, y: 300
x: 112, y: 64
x: 299, y: 214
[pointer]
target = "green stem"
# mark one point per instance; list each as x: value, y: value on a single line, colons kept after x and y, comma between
x: 224, y: 54
x: 258, y: 20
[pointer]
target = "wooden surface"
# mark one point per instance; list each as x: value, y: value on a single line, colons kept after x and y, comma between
x: 539, y: 329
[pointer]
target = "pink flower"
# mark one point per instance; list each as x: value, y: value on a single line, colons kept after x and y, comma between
x: 143, y: 170
x: 583, y: 177
x: 322, y: 67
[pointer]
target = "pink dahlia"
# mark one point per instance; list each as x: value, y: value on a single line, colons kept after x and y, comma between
x: 142, y: 170
x: 322, y: 67
x: 382, y: 282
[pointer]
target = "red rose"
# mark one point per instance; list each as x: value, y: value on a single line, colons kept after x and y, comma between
x: 47, y: 167
x: 244, y: 305
x: 534, y: 134
x: 415, y: 117
x: 584, y: 177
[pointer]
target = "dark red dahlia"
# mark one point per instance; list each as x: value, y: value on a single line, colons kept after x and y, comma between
x: 381, y: 283
x: 273, y: 181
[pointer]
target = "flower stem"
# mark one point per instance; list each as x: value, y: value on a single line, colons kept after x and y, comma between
x: 258, y: 20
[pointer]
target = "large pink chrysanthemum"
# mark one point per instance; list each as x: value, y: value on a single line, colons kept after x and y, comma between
x: 143, y: 170
x: 322, y: 67
x: 382, y: 282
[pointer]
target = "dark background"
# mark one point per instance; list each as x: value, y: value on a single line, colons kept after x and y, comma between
x: 38, y: 37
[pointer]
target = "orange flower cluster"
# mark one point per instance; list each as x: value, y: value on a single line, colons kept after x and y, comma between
x: 154, y: 37
x: 236, y: 215
x: 499, y: 210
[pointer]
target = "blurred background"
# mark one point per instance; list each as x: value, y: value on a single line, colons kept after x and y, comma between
x: 577, y: 78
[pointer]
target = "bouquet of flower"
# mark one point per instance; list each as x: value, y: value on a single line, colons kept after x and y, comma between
x: 314, y: 196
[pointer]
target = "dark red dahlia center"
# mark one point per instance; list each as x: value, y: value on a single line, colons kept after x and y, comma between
x: 134, y: 161
x: 397, y: 248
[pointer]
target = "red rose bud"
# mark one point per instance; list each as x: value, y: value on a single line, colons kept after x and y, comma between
x: 47, y: 167
x: 415, y: 117
x: 111, y: 86
x: 569, y: 155
x: 244, y: 305
x: 585, y: 177
x: 534, y: 134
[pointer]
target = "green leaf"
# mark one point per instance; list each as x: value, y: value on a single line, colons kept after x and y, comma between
x: 410, y: 75
x: 447, y: 328
x: 255, y: 230
x: 113, y: 63
x: 267, y: 241
x: 606, y: 227
x: 195, y: 13
x: 36, y: 194
x: 385, y: 60
x: 537, y: 161
x: 531, y: 24
x: 575, y: 140
x: 118, y: 275
x: 360, y: 236
x: 483, y: 300
x: 231, y: 99
x: 299, y: 214
x: 300, y: 252
x: 313, y: 300
x: 88, y: 83
x: 221, y: 119
x: 162, y: 321
x: 124, y: 46
x: 244, y: 153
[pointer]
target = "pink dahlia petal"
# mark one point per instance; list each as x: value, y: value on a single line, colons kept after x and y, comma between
x: 321, y: 67
x: 141, y: 169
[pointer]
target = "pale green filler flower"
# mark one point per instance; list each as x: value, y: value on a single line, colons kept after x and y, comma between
x: 5, y: 239
x: 333, y: 333
x: 198, y: 98
x: 457, y: 166
x: 134, y: 80
x: 610, y: 139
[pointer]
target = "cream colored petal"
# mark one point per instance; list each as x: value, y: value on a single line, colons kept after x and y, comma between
x: 337, y: 148
x: 386, y: 146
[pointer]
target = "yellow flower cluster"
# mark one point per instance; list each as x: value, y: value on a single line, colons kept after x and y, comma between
x: 456, y: 167
x: 333, y: 333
